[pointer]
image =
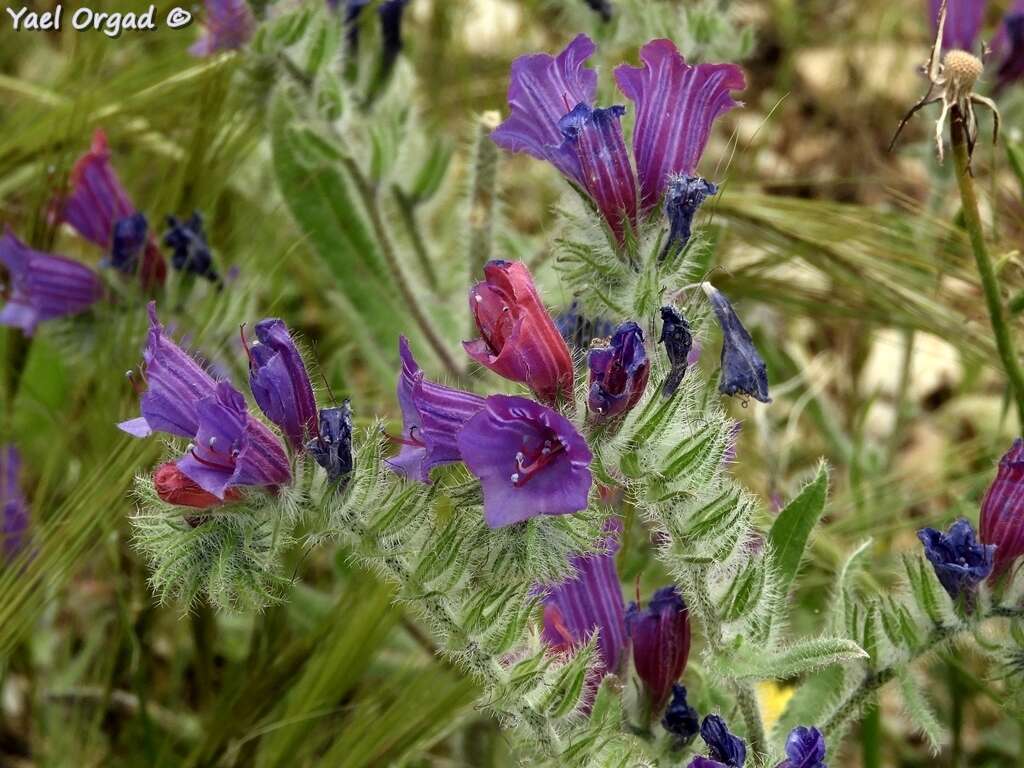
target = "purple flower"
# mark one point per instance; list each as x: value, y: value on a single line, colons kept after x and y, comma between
x: 1002, y: 511
x: 97, y: 203
x: 332, y: 447
x: 1008, y: 46
x: 42, y: 286
x: 618, y: 373
x: 229, y: 25
x: 724, y: 749
x: 682, y: 201
x: 432, y: 415
x: 805, y: 748
x: 279, y: 383
x: 743, y: 370
x: 128, y: 242
x: 676, y: 105
x: 678, y: 341
x: 542, y: 89
x: 190, y: 253
x: 963, y: 22
x: 960, y: 562
x: 661, y: 643
x: 175, y: 385
x: 595, y: 135
x: 530, y: 460
x: 231, y: 448
x: 681, y: 720
x: 577, y: 330
x: 12, y: 503
x: 590, y: 601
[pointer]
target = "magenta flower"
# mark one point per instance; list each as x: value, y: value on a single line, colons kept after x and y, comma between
x: 590, y: 601
x: 229, y: 25
x: 175, y: 385
x: 676, y: 105
x: 280, y: 384
x: 1002, y: 511
x: 43, y: 286
x: 519, y: 340
x: 530, y: 460
x: 12, y: 503
x: 660, y: 634
x: 432, y: 416
x: 618, y: 372
x: 232, y: 448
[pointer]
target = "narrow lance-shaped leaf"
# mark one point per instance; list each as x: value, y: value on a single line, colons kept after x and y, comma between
x: 789, y: 533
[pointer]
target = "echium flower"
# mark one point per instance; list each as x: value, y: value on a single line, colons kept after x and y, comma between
x: 175, y: 487
x: 680, y: 719
x: 518, y: 340
x: 189, y: 251
x: 1002, y: 511
x: 530, y: 460
x: 1008, y: 45
x: 660, y: 634
x: 743, y: 369
x: 960, y: 562
x: 229, y: 25
x: 12, y: 503
x: 683, y: 199
x: 618, y: 372
x: 963, y: 22
x: 42, y: 286
x: 280, y: 384
x: 725, y: 750
x: 678, y: 341
x: 99, y: 209
x: 432, y: 415
x: 332, y: 447
x: 592, y: 600
x: 805, y: 748
x: 579, y: 330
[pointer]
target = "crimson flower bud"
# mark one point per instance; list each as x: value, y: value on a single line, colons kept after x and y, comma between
x: 661, y: 643
x: 1002, y: 511
x: 175, y: 487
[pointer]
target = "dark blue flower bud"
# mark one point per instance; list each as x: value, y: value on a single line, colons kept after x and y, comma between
x: 353, y: 10
x: 678, y: 341
x: 959, y: 560
x: 128, y: 242
x: 743, y: 370
x: 390, y: 13
x: 683, y: 198
x: 602, y: 8
x: 332, y: 447
x: 188, y: 241
x: 723, y: 746
x: 578, y: 331
x: 681, y: 720
x: 805, y: 748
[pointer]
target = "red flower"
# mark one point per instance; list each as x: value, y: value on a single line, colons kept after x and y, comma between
x: 519, y: 338
x: 1002, y: 511
x: 174, y: 487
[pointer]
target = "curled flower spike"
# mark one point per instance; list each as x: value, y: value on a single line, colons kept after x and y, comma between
x: 542, y: 88
x: 174, y: 386
x: 676, y: 106
x: 724, y: 749
x: 229, y: 25
x: 683, y: 199
x: 681, y: 720
x: 43, y: 286
x: 618, y: 372
x: 660, y: 634
x: 805, y: 748
x: 332, y: 447
x: 432, y: 415
x: 1002, y: 511
x: 960, y: 562
x: 530, y: 460
x: 518, y: 340
x: 190, y: 253
x: 175, y: 487
x: 13, y: 506
x: 743, y: 370
x: 595, y: 135
x: 678, y: 341
x: 231, y: 448
x: 280, y: 384
x: 590, y: 601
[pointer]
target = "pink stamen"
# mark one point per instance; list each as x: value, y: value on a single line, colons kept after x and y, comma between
x: 524, y: 471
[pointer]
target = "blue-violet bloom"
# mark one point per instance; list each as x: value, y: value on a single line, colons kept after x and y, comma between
x: 12, y: 503
x: 618, y: 372
x: 963, y: 22
x: 681, y: 720
x: 190, y: 253
x: 805, y: 748
x: 743, y: 369
x: 432, y: 415
x: 228, y: 26
x: 128, y: 243
x: 1008, y: 46
x: 682, y: 201
x: 41, y: 286
x: 332, y: 447
x: 280, y: 384
x: 660, y: 634
x: 678, y: 341
x: 529, y: 458
x: 1002, y: 511
x: 960, y: 562
x: 724, y: 748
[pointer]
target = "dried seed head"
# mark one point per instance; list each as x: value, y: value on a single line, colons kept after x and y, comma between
x: 962, y: 70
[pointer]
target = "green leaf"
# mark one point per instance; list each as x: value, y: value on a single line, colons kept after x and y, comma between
x: 919, y: 711
x: 793, y: 526
x: 753, y: 663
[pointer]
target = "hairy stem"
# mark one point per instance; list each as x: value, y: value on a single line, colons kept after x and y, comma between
x: 989, y: 281
x: 407, y: 211
x: 481, y: 195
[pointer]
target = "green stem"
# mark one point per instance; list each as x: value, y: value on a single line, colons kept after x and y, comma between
x: 481, y: 195
x: 989, y: 281
x: 407, y: 211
